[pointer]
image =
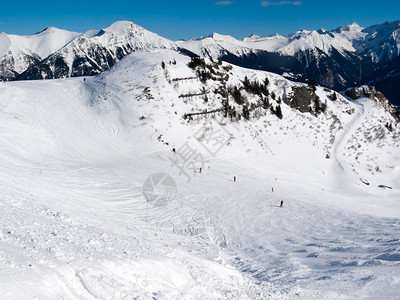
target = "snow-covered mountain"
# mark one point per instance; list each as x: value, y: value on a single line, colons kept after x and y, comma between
x: 56, y: 53
x: 18, y: 53
x: 381, y: 42
x: 95, y: 51
x: 340, y: 39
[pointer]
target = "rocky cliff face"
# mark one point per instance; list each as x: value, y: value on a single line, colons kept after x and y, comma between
x: 377, y: 96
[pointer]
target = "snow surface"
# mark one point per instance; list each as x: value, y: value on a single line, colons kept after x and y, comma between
x: 75, y: 224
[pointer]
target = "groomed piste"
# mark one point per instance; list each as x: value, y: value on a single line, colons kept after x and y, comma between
x: 76, y: 224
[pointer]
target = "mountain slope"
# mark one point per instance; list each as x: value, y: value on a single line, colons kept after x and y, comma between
x: 382, y: 42
x: 77, y: 155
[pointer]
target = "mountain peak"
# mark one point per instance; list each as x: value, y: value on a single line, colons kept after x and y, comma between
x: 120, y: 27
x: 220, y: 37
x: 50, y: 30
x: 253, y: 37
x: 351, y: 27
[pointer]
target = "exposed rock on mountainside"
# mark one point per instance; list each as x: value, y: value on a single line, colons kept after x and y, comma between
x: 373, y: 94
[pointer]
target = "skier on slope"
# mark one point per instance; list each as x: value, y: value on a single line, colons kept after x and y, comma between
x: 234, y: 178
x: 281, y: 203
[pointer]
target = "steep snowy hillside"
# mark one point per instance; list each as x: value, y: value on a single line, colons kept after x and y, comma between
x: 381, y: 42
x: 102, y: 195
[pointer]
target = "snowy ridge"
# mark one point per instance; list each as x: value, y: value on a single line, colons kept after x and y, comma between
x: 85, y: 54
x: 76, y: 154
x: 93, y: 52
x: 17, y: 53
x: 376, y: 40
x: 290, y: 45
x: 43, y: 43
x: 137, y: 37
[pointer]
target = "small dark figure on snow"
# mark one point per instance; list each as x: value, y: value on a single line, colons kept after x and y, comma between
x: 272, y: 189
x: 234, y: 178
x: 173, y: 149
x: 200, y: 170
x: 281, y: 203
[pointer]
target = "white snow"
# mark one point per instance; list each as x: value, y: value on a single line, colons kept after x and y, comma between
x: 75, y: 225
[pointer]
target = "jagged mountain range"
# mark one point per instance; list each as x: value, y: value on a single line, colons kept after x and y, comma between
x: 341, y: 58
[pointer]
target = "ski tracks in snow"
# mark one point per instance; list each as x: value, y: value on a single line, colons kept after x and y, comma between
x: 349, y: 129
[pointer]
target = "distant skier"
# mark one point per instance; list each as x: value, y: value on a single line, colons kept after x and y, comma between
x: 200, y: 170
x: 234, y: 178
x: 272, y: 189
x: 281, y: 203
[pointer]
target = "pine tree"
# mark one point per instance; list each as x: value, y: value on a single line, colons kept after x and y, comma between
x: 278, y: 112
x: 246, y: 112
x: 265, y: 103
x: 246, y: 82
x: 311, y: 82
x: 237, y: 96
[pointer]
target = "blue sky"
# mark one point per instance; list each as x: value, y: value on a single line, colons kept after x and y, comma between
x: 186, y: 19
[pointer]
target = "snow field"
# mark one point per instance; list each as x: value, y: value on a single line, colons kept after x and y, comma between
x: 75, y: 224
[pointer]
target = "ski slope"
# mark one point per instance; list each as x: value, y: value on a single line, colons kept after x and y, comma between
x: 75, y: 223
